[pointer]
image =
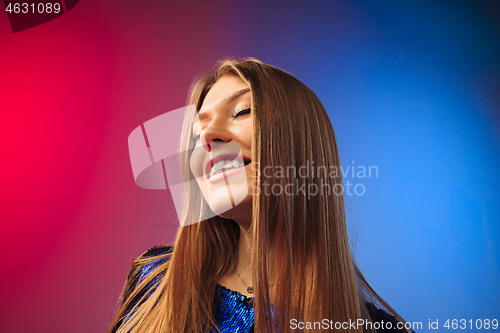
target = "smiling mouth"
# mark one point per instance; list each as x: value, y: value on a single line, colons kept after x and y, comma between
x: 226, y: 165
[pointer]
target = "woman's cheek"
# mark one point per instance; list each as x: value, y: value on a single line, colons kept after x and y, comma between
x: 196, y: 162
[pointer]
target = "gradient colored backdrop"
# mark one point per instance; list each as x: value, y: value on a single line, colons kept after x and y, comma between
x: 411, y: 87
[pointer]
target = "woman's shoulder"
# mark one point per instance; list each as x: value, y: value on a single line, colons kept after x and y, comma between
x: 156, y: 251
x: 144, y: 265
x: 141, y: 268
x: 150, y: 260
x: 383, y: 322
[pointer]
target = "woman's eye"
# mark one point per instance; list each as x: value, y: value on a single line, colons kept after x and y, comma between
x: 238, y: 113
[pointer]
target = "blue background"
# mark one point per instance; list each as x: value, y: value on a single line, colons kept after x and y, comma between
x: 412, y: 88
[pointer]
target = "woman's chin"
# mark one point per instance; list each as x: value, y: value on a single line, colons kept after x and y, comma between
x: 220, y: 207
x: 225, y: 209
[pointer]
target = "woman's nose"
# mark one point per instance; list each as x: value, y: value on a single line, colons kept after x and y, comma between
x: 214, y: 133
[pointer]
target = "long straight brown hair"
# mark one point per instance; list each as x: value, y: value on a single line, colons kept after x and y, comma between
x: 303, y: 237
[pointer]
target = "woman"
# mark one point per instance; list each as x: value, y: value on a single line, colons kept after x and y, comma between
x: 276, y: 257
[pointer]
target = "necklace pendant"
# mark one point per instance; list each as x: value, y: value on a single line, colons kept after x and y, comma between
x: 250, y: 290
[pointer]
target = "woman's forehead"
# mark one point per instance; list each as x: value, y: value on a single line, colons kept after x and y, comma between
x: 224, y: 88
x: 225, y: 91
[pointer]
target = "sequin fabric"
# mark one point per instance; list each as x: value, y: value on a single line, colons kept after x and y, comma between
x: 233, y: 312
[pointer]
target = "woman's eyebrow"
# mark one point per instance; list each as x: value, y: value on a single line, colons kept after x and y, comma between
x: 236, y: 94
x: 228, y: 99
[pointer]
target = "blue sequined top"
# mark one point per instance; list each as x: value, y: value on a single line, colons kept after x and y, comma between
x: 233, y: 312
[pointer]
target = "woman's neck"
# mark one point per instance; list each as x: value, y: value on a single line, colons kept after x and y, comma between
x: 244, y: 265
x: 240, y: 279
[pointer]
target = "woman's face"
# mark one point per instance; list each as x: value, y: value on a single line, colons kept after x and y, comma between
x: 221, y: 160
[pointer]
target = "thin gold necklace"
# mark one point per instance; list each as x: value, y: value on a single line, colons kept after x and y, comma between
x: 249, y: 287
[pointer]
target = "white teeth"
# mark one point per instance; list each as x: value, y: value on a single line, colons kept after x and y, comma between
x: 226, y: 164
